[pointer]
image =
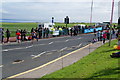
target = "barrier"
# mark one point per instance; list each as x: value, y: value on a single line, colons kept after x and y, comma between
x: 55, y: 33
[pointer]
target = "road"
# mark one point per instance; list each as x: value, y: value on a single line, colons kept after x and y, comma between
x: 17, y: 58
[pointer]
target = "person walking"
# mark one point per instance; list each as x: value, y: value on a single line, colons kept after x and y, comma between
x: 7, y: 35
x: 34, y: 36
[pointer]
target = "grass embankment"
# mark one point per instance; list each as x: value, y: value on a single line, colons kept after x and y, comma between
x: 97, y: 64
x: 14, y: 26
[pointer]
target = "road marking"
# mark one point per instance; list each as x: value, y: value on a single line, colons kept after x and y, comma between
x: 49, y: 53
x: 79, y: 45
x: 53, y: 50
x: 13, y: 49
x: 50, y: 42
x: 63, y: 49
x: 1, y: 66
x: 67, y: 40
x: 36, y: 56
x: 14, y: 76
x: 79, y: 38
x: 5, y: 50
x: 29, y: 46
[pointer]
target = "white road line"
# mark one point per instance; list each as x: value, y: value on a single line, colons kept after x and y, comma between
x: 49, y: 53
x: 79, y: 38
x: 1, y: 66
x: 5, y: 50
x: 29, y: 46
x: 67, y: 40
x: 50, y: 42
x: 79, y: 45
x: 63, y: 48
x: 53, y: 50
x: 35, y: 56
x: 13, y: 49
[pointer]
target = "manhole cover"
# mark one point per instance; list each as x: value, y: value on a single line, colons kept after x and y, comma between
x: 18, y: 61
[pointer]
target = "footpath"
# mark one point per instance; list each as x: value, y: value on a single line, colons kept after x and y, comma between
x: 57, y: 64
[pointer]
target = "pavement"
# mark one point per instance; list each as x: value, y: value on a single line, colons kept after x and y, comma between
x: 58, y: 63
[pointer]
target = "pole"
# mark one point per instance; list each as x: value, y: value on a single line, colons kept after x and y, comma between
x: 91, y: 12
x: 66, y: 25
x: 111, y: 22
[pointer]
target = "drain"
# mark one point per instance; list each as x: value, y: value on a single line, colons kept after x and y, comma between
x: 18, y: 61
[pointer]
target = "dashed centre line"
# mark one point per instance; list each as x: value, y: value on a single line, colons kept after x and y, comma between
x: 51, y: 43
x: 1, y: 66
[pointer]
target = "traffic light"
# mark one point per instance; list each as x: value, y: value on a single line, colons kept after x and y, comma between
x: 119, y: 21
x: 66, y: 21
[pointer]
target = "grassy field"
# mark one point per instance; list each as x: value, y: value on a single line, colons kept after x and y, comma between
x: 97, y: 64
x: 28, y: 26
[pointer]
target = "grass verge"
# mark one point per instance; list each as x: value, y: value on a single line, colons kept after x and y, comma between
x: 97, y: 64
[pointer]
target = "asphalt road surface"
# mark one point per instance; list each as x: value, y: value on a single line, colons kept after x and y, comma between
x: 17, y: 58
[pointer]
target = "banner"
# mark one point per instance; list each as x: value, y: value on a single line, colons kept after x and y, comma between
x: 92, y: 30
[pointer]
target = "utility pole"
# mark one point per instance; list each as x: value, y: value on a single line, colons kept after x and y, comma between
x: 111, y: 22
x: 91, y: 13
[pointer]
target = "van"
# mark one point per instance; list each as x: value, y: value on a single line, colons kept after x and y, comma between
x: 46, y: 25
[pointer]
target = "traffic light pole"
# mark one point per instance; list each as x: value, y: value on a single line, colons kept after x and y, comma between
x: 66, y: 24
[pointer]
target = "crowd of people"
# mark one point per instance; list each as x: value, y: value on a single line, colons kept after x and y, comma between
x: 38, y: 33
x: 103, y: 35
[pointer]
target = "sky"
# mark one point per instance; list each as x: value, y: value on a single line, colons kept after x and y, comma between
x: 44, y: 10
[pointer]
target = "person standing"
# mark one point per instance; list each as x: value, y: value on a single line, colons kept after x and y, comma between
x: 2, y: 36
x: 18, y: 36
x: 98, y: 35
x: 36, y: 30
x: 7, y: 35
x: 47, y: 33
x: 101, y: 35
x: 108, y: 34
x: 104, y: 37
x: 24, y: 34
x: 71, y: 31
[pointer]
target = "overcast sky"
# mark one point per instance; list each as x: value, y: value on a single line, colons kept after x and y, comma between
x: 43, y: 10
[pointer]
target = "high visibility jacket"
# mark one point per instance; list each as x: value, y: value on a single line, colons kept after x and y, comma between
x: 60, y: 29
